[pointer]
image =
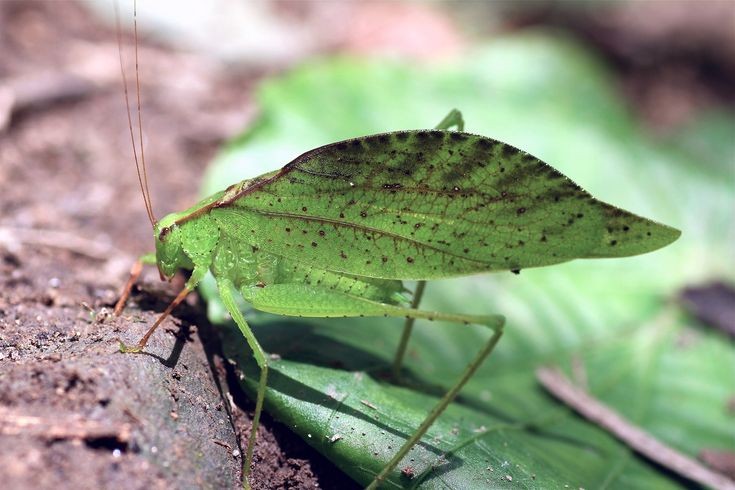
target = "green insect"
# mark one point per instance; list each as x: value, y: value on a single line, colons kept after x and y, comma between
x: 336, y: 231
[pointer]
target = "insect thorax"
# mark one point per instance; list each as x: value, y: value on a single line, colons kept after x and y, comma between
x: 209, y: 242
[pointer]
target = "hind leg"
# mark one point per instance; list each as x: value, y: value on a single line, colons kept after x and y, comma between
x: 308, y: 301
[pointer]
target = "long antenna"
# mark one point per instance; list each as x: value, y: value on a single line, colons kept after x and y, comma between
x: 140, y: 120
x: 142, y: 177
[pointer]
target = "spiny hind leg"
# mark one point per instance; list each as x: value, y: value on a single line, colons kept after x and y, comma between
x: 226, y: 287
x: 309, y: 301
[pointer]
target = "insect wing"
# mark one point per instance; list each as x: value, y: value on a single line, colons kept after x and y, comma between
x: 430, y: 204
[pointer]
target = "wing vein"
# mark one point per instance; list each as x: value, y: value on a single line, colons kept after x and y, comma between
x: 363, y: 228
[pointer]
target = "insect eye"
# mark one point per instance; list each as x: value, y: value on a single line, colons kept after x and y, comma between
x: 164, y: 233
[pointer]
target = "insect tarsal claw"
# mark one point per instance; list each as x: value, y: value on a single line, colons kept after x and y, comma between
x: 125, y: 349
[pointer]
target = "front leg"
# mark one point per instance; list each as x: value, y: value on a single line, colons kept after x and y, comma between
x: 135, y: 270
x: 196, y: 275
x: 225, y: 287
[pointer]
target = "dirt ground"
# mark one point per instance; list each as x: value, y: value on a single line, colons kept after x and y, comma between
x: 75, y: 413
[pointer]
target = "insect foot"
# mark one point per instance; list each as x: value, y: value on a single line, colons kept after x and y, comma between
x: 126, y: 349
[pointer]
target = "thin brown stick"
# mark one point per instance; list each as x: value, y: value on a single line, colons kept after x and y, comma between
x: 14, y: 422
x: 58, y: 239
x: 719, y: 460
x: 40, y: 91
x: 636, y: 438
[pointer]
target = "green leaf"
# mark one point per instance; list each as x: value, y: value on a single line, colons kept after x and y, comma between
x: 639, y: 352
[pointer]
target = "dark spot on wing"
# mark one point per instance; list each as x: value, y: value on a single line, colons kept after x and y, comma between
x: 507, y: 151
x: 483, y: 143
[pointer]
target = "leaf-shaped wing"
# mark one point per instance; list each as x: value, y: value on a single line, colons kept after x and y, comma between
x: 431, y: 204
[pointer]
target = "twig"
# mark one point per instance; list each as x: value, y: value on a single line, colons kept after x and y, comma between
x: 57, y: 239
x: 39, y: 91
x: 720, y: 461
x: 71, y: 427
x: 636, y: 438
x: 223, y: 444
x: 713, y: 304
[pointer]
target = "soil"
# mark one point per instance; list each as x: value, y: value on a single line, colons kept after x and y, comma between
x: 75, y: 413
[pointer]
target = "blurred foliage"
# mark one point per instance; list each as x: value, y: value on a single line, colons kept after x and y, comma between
x: 708, y: 143
x: 616, y: 320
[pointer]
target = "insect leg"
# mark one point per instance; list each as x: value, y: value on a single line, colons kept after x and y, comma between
x: 196, y: 276
x: 309, y: 301
x: 134, y: 274
x: 454, y: 118
x: 225, y: 291
x: 495, y: 323
x: 407, y: 329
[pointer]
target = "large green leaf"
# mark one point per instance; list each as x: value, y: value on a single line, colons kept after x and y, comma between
x: 616, y: 318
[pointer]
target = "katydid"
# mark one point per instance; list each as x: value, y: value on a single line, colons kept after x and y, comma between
x: 336, y: 231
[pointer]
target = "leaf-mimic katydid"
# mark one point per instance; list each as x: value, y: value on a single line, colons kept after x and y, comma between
x: 336, y: 231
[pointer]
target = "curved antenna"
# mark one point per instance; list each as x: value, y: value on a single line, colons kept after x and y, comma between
x: 142, y: 176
